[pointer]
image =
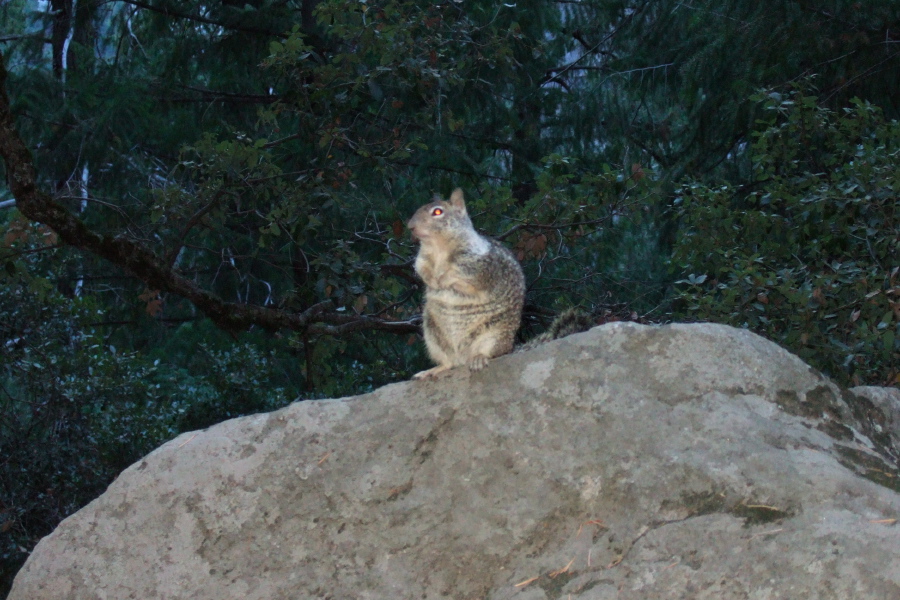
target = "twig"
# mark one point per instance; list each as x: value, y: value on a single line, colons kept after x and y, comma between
x: 187, y: 440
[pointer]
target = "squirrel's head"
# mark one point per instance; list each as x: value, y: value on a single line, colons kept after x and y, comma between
x: 440, y: 217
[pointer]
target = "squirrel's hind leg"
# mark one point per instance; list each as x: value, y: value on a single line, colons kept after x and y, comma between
x: 490, y: 345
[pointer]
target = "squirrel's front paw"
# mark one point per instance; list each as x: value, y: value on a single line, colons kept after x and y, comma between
x: 478, y: 362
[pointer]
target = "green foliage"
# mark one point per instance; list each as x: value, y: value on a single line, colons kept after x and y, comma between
x: 673, y: 78
x: 588, y: 237
x: 236, y: 382
x: 807, y: 253
x: 72, y: 413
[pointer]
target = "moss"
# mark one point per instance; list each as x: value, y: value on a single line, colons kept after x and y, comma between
x: 872, y: 420
x: 553, y: 585
x: 759, y: 514
x: 594, y: 583
x: 836, y: 430
x: 818, y: 401
x: 870, y: 467
x: 753, y: 513
x: 789, y: 401
x: 822, y: 405
x: 824, y: 399
x: 701, y: 503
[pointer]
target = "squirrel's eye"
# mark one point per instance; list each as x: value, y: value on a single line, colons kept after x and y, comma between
x: 437, y: 212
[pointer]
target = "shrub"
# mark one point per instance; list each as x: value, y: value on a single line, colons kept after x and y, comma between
x: 808, y: 252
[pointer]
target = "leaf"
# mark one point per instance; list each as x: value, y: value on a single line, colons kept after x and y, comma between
x: 532, y: 245
x: 49, y: 235
x: 153, y: 300
x: 360, y: 304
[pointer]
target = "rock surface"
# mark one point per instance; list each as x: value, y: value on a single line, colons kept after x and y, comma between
x: 888, y: 400
x: 629, y: 462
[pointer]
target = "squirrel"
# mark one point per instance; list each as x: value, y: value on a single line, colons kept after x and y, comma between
x: 474, y: 288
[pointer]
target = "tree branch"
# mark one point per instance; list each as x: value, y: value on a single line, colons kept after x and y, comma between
x: 134, y: 257
x: 205, y: 95
x: 192, y: 222
x: 350, y: 323
x: 170, y: 11
x: 25, y: 36
x: 555, y: 74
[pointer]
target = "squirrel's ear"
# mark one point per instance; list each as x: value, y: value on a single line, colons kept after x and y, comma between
x: 457, y: 200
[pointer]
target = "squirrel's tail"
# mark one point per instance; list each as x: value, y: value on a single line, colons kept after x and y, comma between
x: 571, y: 320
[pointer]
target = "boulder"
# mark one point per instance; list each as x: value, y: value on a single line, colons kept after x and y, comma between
x: 628, y: 462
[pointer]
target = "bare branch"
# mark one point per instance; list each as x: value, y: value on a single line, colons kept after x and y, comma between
x: 557, y: 226
x: 206, y: 95
x: 192, y: 222
x: 360, y: 322
x: 555, y: 74
x: 25, y: 36
x: 171, y: 11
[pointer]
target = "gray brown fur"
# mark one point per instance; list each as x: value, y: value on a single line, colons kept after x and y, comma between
x: 474, y: 288
x: 572, y: 320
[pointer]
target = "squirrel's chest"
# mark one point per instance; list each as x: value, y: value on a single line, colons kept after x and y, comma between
x: 431, y: 265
